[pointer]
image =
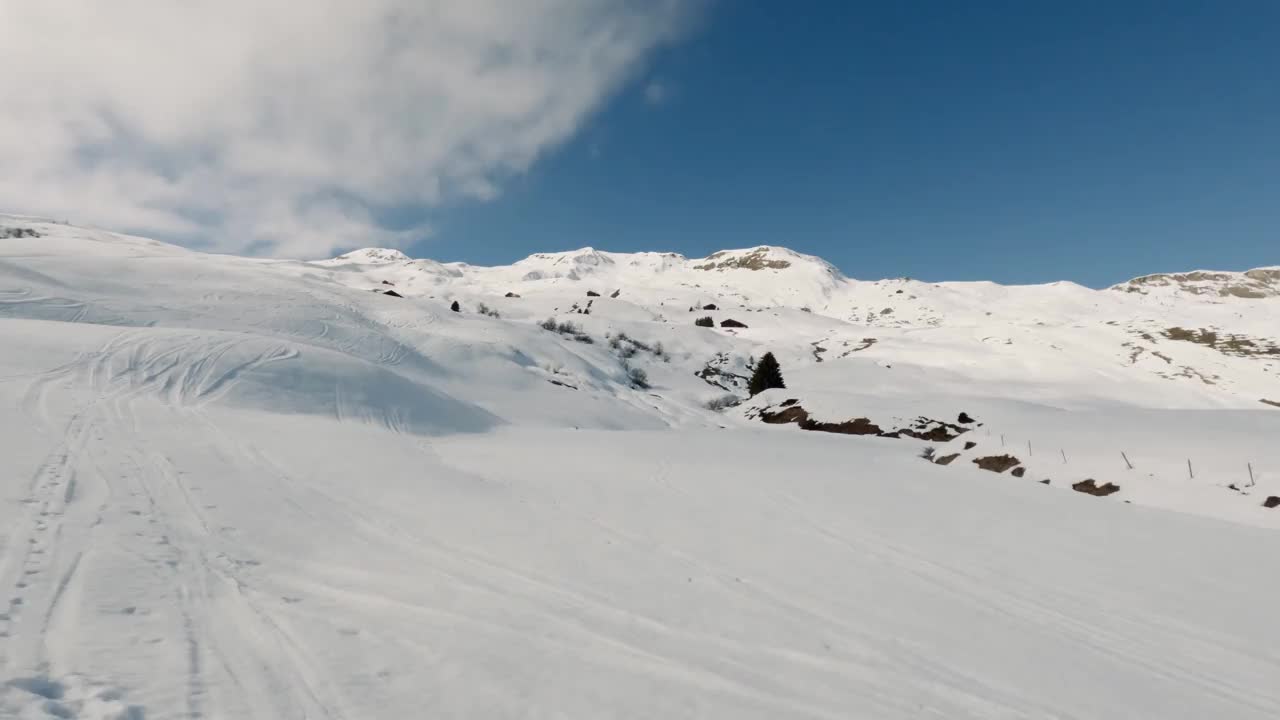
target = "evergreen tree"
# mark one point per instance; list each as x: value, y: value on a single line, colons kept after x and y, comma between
x: 768, y: 375
x: 455, y: 307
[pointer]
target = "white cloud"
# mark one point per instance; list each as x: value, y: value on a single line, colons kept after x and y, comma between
x: 282, y: 127
x: 655, y: 92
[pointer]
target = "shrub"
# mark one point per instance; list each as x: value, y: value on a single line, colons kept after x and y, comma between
x: 638, y: 377
x: 705, y: 322
x: 722, y: 402
x: 568, y: 328
x: 548, y: 324
x: 486, y: 310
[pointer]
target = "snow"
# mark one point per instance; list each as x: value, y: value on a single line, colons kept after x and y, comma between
x: 237, y: 488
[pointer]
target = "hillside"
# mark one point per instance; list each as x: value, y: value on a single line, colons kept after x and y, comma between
x: 263, y: 488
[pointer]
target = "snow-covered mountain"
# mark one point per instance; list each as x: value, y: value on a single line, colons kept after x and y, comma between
x: 263, y: 488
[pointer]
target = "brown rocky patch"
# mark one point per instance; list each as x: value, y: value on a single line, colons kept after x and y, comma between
x: 1226, y: 343
x: 793, y: 414
x: 1273, y: 403
x: 1271, y: 501
x: 731, y: 323
x: 969, y: 445
x: 997, y: 463
x: 856, y: 426
x: 947, y: 459
x: 754, y: 260
x: 1089, y: 487
x: 1018, y: 471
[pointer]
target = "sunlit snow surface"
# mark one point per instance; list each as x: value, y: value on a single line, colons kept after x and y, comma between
x: 237, y: 488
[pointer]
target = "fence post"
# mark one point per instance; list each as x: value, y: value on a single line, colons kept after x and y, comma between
x: 1126, y: 459
x: 1029, y: 453
x: 1251, y: 482
x: 1189, y: 471
x: 1064, y: 455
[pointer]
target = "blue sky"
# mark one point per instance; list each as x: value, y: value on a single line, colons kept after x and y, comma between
x: 1012, y: 141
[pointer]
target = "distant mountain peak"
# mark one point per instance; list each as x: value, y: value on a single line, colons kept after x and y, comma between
x: 1251, y: 284
x: 373, y: 256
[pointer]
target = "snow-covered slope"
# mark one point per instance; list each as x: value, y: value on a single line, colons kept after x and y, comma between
x: 240, y: 488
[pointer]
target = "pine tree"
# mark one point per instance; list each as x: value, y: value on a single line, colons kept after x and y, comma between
x: 768, y: 375
x: 455, y: 307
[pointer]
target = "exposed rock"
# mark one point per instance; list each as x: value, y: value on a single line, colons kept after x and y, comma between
x: 731, y: 323
x: 964, y: 419
x: 856, y: 426
x: 1227, y: 344
x: 969, y: 445
x: 757, y: 259
x: 392, y: 293
x: 997, y: 463
x: 1253, y: 284
x: 1274, y: 403
x: 18, y: 232
x: 1018, y: 471
x: 592, y: 293
x: 616, y: 293
x: 1044, y: 481
x: 947, y: 459
x: 710, y: 306
x: 925, y: 428
x: 387, y: 282
x: 511, y: 295
x: 1271, y: 501
x: 792, y: 414
x: 1089, y: 487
